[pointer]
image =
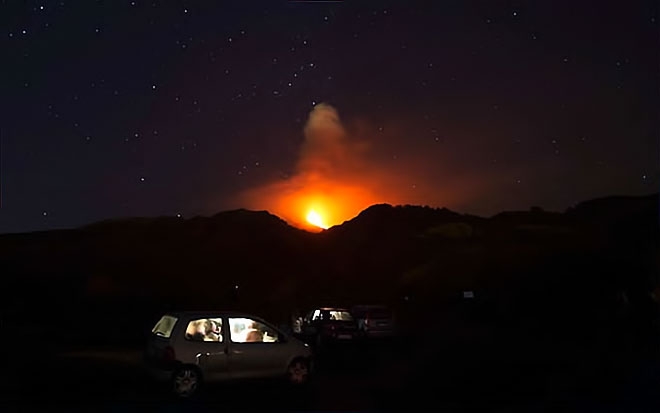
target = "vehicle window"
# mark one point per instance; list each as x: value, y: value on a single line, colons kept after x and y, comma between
x: 164, y: 326
x: 205, y: 329
x: 316, y: 315
x: 246, y: 330
x: 340, y: 315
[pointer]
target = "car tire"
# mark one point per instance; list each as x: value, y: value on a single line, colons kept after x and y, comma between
x: 186, y: 381
x: 298, y: 373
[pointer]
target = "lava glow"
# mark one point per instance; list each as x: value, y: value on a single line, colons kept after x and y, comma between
x: 333, y: 181
x: 315, y: 219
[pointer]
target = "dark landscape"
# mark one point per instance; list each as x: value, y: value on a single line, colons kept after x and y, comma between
x: 564, y: 314
x: 429, y: 205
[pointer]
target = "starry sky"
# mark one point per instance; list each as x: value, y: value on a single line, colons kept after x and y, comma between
x: 147, y: 108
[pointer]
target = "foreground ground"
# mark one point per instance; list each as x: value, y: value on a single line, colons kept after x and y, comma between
x: 412, y: 373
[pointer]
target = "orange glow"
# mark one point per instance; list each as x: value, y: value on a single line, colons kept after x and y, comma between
x: 315, y: 219
x: 335, y: 179
x: 313, y: 206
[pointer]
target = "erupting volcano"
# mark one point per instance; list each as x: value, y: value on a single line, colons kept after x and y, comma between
x: 332, y: 182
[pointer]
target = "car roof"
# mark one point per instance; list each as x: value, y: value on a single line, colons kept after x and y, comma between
x: 332, y: 309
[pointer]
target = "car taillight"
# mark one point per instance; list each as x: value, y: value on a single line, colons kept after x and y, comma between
x: 169, y: 354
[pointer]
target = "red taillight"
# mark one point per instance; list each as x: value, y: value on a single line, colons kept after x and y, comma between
x: 169, y: 354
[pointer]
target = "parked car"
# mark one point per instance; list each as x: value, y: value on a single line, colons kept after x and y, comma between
x: 328, y: 324
x: 190, y: 348
x: 374, y: 320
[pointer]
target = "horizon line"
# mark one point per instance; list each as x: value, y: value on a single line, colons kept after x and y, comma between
x: 181, y: 217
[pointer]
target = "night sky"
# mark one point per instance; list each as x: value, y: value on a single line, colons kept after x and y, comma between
x: 147, y: 108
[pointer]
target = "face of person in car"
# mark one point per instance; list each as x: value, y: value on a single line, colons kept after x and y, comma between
x: 215, y: 327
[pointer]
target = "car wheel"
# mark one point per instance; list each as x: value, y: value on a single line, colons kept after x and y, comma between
x: 186, y: 381
x: 298, y: 372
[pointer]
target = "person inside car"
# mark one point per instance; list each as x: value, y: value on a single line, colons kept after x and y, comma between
x: 212, y: 331
x: 196, y: 330
x: 253, y: 335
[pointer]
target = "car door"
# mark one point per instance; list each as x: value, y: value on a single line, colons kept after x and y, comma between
x: 256, y: 349
x: 210, y: 351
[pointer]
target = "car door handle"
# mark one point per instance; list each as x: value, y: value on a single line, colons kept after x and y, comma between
x: 237, y: 352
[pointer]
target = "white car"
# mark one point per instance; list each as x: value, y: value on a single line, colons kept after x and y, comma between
x: 189, y: 348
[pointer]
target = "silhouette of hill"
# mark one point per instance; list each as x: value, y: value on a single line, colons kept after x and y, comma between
x: 415, y: 258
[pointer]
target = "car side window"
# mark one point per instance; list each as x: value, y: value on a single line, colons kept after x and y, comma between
x: 246, y: 330
x: 205, y: 329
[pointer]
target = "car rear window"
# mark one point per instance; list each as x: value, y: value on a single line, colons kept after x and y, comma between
x: 164, y: 326
x: 205, y: 329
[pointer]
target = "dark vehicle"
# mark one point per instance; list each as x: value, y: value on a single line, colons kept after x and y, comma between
x: 327, y: 324
x: 374, y: 320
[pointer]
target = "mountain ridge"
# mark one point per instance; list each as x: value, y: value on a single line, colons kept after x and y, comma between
x: 255, y: 260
